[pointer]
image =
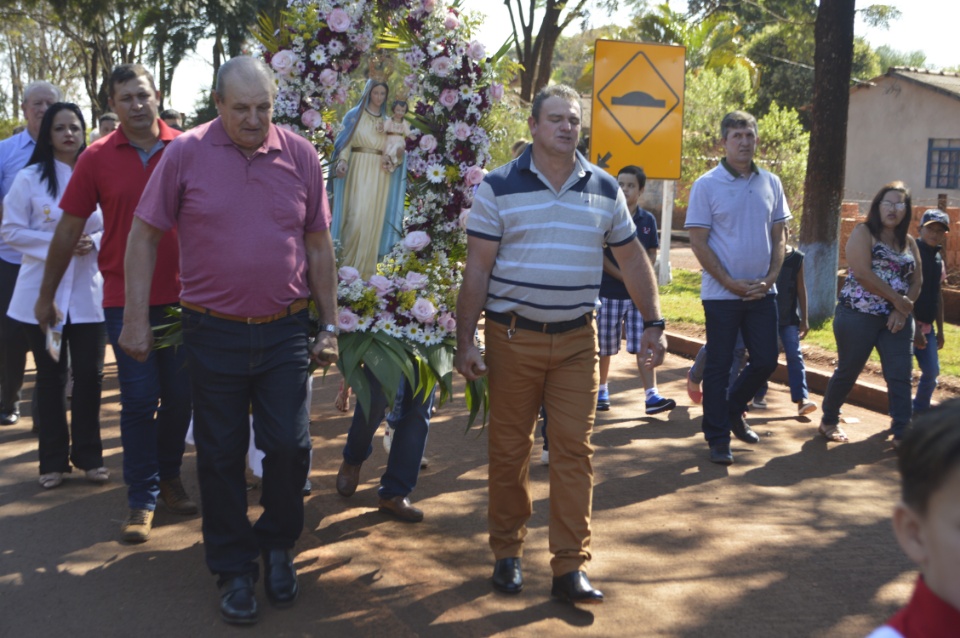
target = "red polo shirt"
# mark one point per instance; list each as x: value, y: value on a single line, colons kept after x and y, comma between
x: 110, y: 173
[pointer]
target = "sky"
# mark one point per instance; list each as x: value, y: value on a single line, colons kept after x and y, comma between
x: 926, y: 25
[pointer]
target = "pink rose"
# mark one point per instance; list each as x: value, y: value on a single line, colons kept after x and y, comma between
x: 428, y: 143
x: 328, y: 77
x: 415, y: 241
x: 462, y: 131
x: 448, y: 322
x: 311, y: 119
x: 415, y: 281
x: 423, y: 311
x: 429, y: 5
x: 449, y: 98
x: 496, y: 91
x: 347, y: 320
x: 381, y: 284
x: 441, y: 66
x: 476, y: 50
x: 339, y: 96
x: 284, y: 62
x: 348, y: 274
x: 451, y: 21
x: 473, y: 176
x: 339, y: 21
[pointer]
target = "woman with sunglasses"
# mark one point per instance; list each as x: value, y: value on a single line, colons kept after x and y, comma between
x: 30, y: 215
x: 875, y: 310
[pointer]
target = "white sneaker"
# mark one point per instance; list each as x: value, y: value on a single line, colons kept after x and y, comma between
x: 545, y: 457
x: 387, y: 438
x: 806, y: 407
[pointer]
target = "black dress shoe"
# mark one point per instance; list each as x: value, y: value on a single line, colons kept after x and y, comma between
x: 740, y: 429
x: 238, y: 605
x: 507, y: 577
x: 280, y: 577
x: 575, y: 588
x: 9, y: 417
x: 720, y: 453
x: 347, y: 479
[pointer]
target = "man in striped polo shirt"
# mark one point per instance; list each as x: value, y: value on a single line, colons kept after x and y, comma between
x: 534, y: 259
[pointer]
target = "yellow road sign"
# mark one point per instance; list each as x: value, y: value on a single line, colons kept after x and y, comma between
x: 637, y: 114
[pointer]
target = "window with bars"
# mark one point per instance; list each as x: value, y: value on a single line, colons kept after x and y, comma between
x: 943, y: 163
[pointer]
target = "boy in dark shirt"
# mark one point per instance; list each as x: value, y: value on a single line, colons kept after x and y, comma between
x: 928, y: 309
x: 617, y: 310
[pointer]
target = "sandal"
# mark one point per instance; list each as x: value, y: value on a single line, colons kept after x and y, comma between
x: 833, y: 433
x: 343, y: 398
x: 98, y: 475
x: 51, y: 480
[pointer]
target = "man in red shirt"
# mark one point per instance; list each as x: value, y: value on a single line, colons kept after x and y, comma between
x: 155, y: 393
x: 249, y: 204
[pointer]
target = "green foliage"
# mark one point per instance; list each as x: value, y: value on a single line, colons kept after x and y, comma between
x: 709, y: 95
x: 783, y: 150
x: 866, y: 62
x: 7, y: 126
x: 507, y: 125
x: 880, y: 15
x: 888, y: 57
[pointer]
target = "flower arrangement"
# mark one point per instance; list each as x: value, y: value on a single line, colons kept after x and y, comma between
x: 402, y: 320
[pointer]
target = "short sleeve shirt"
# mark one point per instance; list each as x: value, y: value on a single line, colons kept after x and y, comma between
x: 550, y: 257
x: 241, y: 221
x: 646, y: 223
x: 740, y: 213
x: 111, y: 173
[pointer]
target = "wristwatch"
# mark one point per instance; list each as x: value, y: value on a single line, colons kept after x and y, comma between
x: 658, y: 323
x: 328, y: 327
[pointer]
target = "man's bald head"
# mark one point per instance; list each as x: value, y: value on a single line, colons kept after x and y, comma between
x: 247, y: 71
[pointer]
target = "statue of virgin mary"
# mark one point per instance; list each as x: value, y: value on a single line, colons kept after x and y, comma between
x: 368, y: 201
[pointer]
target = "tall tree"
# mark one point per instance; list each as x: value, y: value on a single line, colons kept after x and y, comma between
x: 819, y: 229
x: 535, y: 51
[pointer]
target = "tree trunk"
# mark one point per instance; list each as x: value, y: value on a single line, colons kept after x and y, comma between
x: 823, y: 188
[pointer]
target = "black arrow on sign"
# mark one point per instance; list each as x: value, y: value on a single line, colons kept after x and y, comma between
x: 602, y: 161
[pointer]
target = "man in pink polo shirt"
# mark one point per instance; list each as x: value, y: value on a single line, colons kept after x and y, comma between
x: 154, y: 394
x: 251, y: 210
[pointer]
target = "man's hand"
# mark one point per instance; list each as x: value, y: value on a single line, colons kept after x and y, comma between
x: 741, y: 287
x: 803, y: 329
x: 136, y: 338
x: 325, y: 350
x: 47, y: 313
x: 653, y: 347
x: 940, y: 340
x: 757, y: 290
x: 896, y: 321
x: 469, y: 362
x: 84, y: 246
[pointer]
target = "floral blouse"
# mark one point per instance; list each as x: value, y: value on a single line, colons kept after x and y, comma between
x: 892, y: 267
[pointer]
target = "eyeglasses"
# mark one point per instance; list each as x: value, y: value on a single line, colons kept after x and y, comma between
x: 900, y: 206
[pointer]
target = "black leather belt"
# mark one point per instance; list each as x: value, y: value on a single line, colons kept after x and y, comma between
x: 516, y: 321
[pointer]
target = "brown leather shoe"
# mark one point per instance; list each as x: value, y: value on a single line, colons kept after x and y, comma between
x: 175, y: 497
x: 347, y: 479
x: 400, y: 507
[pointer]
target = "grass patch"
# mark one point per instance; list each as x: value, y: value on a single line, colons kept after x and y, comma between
x: 680, y: 302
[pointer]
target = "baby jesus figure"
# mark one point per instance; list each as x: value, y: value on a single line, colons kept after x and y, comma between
x: 397, y: 130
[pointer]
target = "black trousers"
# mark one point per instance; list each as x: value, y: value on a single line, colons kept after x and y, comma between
x: 13, y: 342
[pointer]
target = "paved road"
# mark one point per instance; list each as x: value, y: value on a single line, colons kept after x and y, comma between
x: 792, y: 540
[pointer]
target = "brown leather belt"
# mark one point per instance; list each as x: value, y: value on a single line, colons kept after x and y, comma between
x: 292, y: 309
x: 364, y: 149
x: 516, y: 321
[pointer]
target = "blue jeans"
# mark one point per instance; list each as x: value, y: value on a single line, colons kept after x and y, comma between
x: 410, y: 419
x: 796, y: 371
x: 154, y: 412
x: 235, y: 367
x: 857, y: 333
x: 928, y: 359
x: 757, y: 321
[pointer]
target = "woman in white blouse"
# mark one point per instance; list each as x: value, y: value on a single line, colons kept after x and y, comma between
x: 30, y: 215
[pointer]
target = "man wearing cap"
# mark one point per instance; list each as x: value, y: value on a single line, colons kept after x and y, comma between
x: 928, y: 308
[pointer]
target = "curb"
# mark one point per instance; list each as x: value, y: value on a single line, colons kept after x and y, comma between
x: 866, y: 395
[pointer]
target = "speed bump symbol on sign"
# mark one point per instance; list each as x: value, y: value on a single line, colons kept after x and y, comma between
x: 638, y: 113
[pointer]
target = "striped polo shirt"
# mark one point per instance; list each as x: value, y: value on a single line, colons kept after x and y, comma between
x: 550, y: 257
